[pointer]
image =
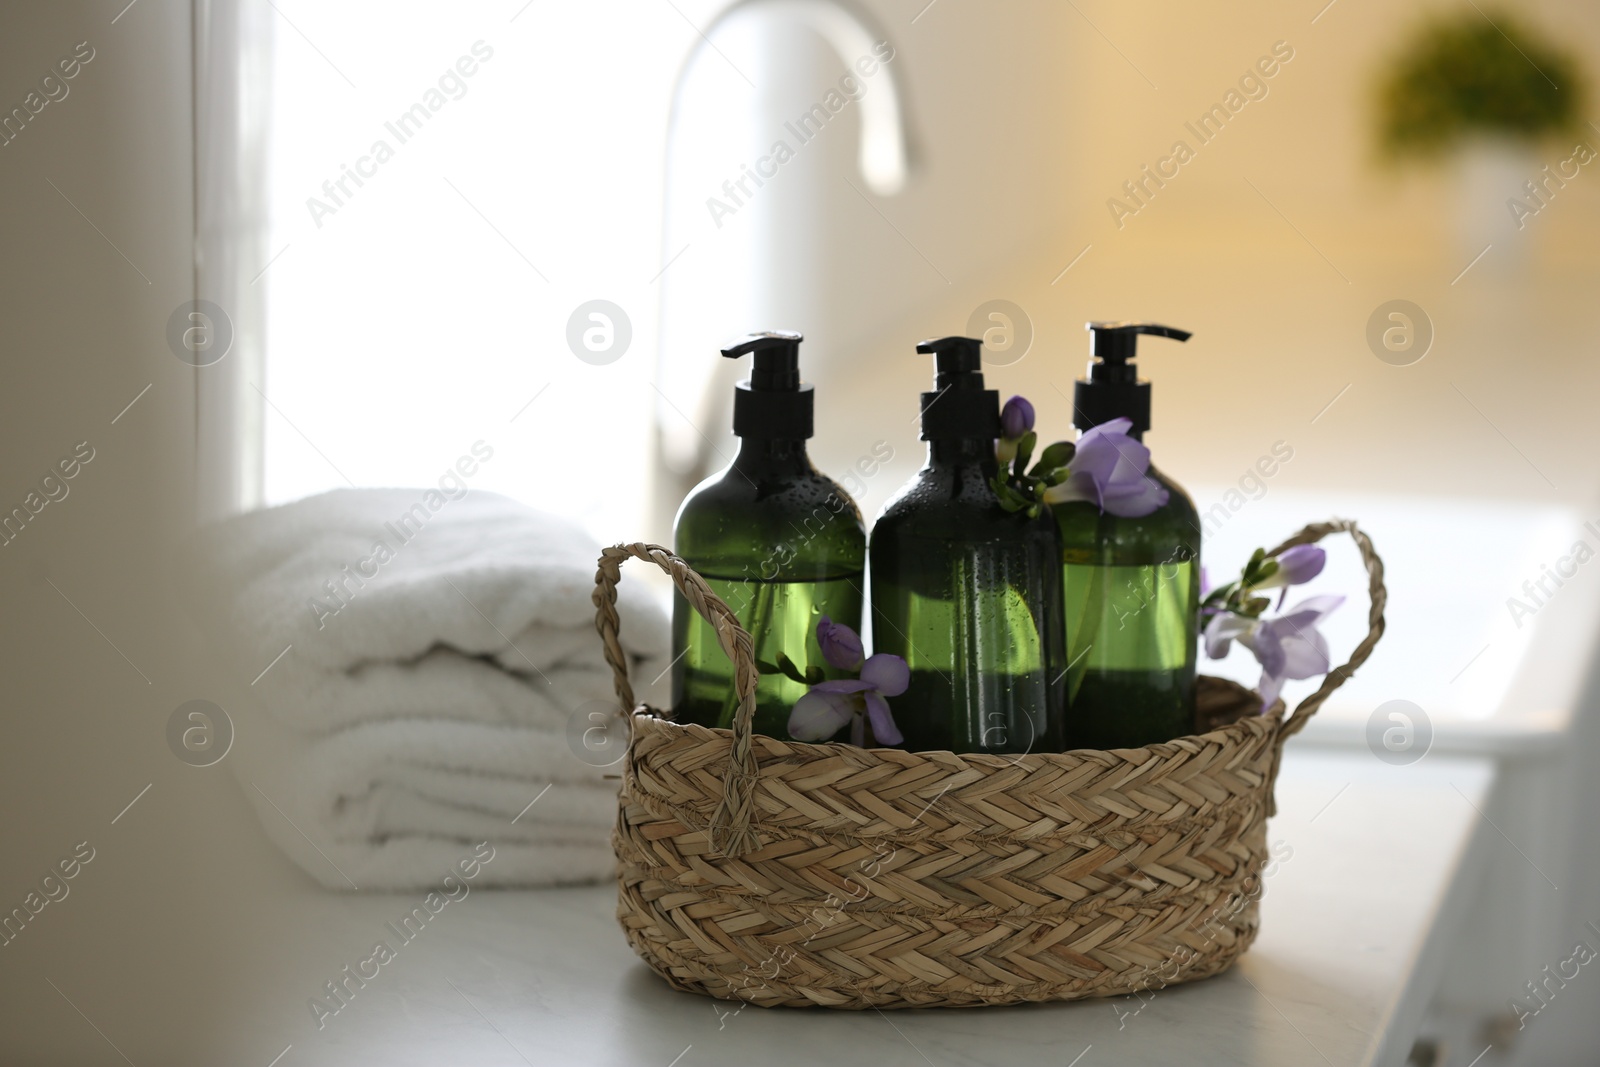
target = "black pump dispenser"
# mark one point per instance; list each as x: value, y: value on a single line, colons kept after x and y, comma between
x: 773, y: 402
x: 959, y: 406
x: 1113, y: 389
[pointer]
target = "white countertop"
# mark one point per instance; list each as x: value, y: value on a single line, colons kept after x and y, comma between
x: 1379, y: 864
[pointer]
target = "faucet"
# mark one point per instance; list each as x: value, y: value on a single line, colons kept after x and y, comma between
x: 885, y: 157
x: 885, y: 153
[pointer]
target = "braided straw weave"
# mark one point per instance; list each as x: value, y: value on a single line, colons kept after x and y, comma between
x: 782, y: 873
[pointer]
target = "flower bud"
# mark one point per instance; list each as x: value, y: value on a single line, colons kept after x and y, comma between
x: 841, y: 646
x: 1016, y: 418
x: 1296, y: 566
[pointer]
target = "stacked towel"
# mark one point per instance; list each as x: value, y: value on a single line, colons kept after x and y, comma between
x: 433, y: 662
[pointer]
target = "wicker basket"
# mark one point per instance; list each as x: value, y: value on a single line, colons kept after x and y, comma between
x: 781, y: 873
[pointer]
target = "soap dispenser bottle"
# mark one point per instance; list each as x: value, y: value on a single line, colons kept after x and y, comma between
x: 1131, y: 585
x: 781, y: 543
x: 966, y: 591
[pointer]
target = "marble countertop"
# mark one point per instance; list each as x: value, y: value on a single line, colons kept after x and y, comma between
x: 1377, y: 864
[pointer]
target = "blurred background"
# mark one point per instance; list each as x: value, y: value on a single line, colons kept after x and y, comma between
x: 1390, y: 273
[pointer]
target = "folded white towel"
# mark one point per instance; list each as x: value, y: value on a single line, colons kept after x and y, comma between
x: 381, y: 609
x: 425, y: 665
x: 389, y: 806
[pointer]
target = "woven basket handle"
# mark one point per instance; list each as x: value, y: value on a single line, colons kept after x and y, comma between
x: 730, y: 830
x: 1378, y: 595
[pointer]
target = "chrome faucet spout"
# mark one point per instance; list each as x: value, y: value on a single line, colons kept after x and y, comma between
x: 886, y: 154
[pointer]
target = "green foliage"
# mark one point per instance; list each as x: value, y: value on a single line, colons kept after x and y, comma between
x: 1461, y: 76
x: 1019, y: 491
x: 1238, y: 597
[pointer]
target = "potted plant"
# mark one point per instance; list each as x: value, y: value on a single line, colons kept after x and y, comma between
x: 1483, y: 93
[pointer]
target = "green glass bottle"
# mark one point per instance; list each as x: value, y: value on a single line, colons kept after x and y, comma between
x: 967, y: 592
x: 781, y: 543
x: 1131, y: 585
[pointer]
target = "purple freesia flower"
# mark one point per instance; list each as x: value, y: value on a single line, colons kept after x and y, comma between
x: 1110, y: 470
x: 840, y: 645
x: 1223, y: 629
x: 828, y: 706
x: 1296, y: 566
x: 1016, y: 418
x: 1287, y: 646
x: 1300, y: 564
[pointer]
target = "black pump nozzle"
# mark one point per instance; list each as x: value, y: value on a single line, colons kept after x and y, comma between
x: 959, y: 406
x: 773, y: 402
x: 955, y: 358
x: 777, y: 362
x: 1113, y: 389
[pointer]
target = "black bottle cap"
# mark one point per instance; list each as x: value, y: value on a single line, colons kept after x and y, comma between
x: 959, y: 406
x: 773, y: 402
x: 1113, y: 389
